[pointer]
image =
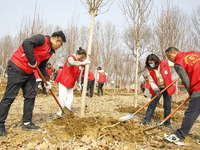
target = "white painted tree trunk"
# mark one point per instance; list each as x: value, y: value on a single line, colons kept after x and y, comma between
x: 136, y: 73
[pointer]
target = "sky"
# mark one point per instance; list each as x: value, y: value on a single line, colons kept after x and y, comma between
x: 60, y: 12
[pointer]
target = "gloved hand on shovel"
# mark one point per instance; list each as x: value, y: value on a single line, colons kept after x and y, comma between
x: 85, y: 62
x: 157, y: 92
x: 47, y: 87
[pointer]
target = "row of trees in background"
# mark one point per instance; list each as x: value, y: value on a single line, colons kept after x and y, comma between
x: 116, y: 51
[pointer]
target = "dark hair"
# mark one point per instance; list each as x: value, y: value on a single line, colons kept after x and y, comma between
x: 99, y: 68
x: 48, y: 63
x: 61, y: 67
x: 81, y: 51
x: 59, y: 34
x: 153, y: 57
x: 171, y: 49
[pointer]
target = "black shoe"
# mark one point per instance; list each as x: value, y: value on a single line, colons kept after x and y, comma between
x: 101, y: 94
x: 144, y: 122
x: 30, y: 126
x: 3, y: 131
x: 97, y: 94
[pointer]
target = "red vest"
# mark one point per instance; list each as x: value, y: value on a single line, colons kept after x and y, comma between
x: 58, y: 73
x: 90, y: 76
x: 41, y: 53
x: 36, y: 75
x: 190, y: 61
x: 165, y: 72
x: 49, y: 71
x: 102, y: 77
x: 69, y: 75
x: 148, y: 85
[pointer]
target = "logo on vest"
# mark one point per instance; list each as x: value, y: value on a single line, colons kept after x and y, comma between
x: 191, y: 59
x: 166, y: 72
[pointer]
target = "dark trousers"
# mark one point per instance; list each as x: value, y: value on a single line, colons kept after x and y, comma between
x: 90, y: 87
x: 190, y: 116
x: 152, y: 106
x: 100, y: 87
x: 43, y: 87
x: 16, y: 80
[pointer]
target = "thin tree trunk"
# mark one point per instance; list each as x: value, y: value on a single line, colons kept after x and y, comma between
x: 136, y: 73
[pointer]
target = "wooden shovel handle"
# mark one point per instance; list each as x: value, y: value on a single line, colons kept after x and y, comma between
x: 43, y: 79
x: 156, y: 95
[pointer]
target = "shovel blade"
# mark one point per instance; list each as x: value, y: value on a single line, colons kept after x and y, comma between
x: 128, y: 117
x: 65, y: 112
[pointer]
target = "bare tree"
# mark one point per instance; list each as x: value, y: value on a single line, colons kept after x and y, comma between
x: 137, y: 14
x: 94, y: 6
x: 196, y: 27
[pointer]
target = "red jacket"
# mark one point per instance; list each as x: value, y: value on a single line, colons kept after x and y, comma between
x: 190, y: 61
x: 69, y: 75
x: 165, y: 72
x: 58, y: 73
x: 49, y: 71
x: 41, y: 53
x: 102, y: 77
x: 90, y: 76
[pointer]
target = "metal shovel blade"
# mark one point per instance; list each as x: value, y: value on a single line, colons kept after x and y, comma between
x: 65, y: 112
x: 128, y: 117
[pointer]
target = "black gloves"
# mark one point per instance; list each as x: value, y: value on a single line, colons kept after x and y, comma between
x: 158, y: 93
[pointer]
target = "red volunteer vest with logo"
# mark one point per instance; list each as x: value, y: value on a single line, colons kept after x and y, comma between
x: 190, y: 61
x: 90, y: 76
x: 41, y: 53
x: 69, y: 75
x: 166, y: 74
x: 49, y: 71
x: 102, y: 77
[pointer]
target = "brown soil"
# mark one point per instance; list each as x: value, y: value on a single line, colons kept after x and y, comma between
x: 99, y: 129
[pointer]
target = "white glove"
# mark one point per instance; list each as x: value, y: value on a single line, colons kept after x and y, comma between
x: 85, y: 62
x: 47, y: 87
x: 33, y: 66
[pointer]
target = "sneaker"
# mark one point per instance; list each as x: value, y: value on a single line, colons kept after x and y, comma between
x: 174, y: 139
x: 198, y: 141
x: 30, y: 126
x: 101, y: 94
x: 3, y: 131
x: 97, y: 94
x: 144, y: 122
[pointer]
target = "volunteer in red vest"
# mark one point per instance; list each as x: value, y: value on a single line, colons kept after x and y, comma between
x: 187, y: 65
x: 39, y: 81
x: 159, y: 76
x: 57, y: 74
x: 101, y: 78
x: 34, y: 51
x: 70, y: 73
x: 90, y: 84
x: 49, y: 71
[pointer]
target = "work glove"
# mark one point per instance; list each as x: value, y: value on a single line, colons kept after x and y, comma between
x: 85, y: 62
x: 47, y: 87
x: 33, y: 66
x: 158, y: 94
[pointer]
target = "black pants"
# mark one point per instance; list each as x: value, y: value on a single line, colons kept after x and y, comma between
x: 43, y: 87
x: 190, y: 116
x: 100, y: 87
x: 152, y: 106
x: 16, y: 80
x: 90, y: 87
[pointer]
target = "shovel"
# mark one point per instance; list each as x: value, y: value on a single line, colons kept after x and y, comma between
x: 130, y: 116
x: 65, y: 110
x: 168, y: 116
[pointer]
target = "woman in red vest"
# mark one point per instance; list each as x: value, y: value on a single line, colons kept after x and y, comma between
x: 90, y: 84
x: 101, y: 78
x: 159, y: 77
x: 70, y: 73
x: 34, y: 51
x: 187, y: 65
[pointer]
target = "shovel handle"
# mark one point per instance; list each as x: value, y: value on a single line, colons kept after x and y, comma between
x: 156, y: 95
x: 43, y: 79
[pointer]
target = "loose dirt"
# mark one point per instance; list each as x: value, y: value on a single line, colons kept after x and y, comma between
x: 99, y: 129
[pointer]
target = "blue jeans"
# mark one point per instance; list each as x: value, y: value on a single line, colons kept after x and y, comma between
x: 152, y: 106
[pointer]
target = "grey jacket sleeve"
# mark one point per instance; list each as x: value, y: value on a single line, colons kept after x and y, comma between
x: 184, y: 76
